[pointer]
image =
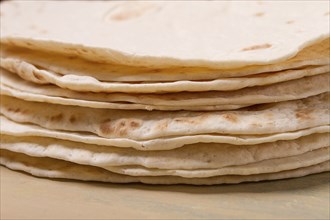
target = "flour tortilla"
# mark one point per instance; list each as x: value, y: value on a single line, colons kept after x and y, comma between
x: 32, y: 73
x: 52, y: 168
x: 140, y: 125
x: 9, y: 91
x: 272, y: 165
x: 52, y: 94
x: 266, y: 166
x: 295, y: 89
x: 314, y: 55
x: 164, y: 33
x: 11, y: 128
x: 188, y: 157
x: 106, y: 22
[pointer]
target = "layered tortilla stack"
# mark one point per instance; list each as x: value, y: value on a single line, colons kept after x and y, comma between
x: 165, y: 92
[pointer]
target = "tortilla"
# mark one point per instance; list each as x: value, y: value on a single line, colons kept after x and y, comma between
x: 256, y: 35
x: 189, y: 157
x: 141, y: 125
x: 245, y: 101
x: 290, y: 90
x: 11, y: 128
x: 52, y: 168
x: 89, y: 84
x: 266, y: 166
x: 312, y: 56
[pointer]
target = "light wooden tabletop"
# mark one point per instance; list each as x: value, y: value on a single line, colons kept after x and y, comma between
x: 27, y: 197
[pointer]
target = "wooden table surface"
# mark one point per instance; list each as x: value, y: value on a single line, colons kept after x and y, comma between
x: 27, y: 197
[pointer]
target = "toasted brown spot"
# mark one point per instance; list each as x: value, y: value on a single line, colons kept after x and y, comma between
x: 327, y: 13
x: 38, y: 76
x: 124, y: 16
x: 304, y: 114
x: 135, y: 124
x: 16, y: 110
x: 72, y: 119
x: 290, y: 22
x: 105, y: 127
x: 186, y: 120
x: 162, y: 125
x: 57, y: 117
x: 122, y: 132
x: 130, y: 12
x: 71, y: 57
x: 24, y: 111
x: 121, y: 128
x: 259, y: 14
x: 257, y: 47
x: 231, y: 117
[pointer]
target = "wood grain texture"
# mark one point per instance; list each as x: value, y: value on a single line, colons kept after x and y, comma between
x: 27, y: 197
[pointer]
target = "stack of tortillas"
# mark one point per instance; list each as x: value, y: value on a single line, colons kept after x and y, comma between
x: 165, y: 92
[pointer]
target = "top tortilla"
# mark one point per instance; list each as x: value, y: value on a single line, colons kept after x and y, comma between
x: 218, y: 35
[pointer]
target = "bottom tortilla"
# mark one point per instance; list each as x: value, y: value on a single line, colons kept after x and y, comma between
x: 53, y: 168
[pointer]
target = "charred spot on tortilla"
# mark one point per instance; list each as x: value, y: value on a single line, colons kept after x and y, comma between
x: 257, y: 47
